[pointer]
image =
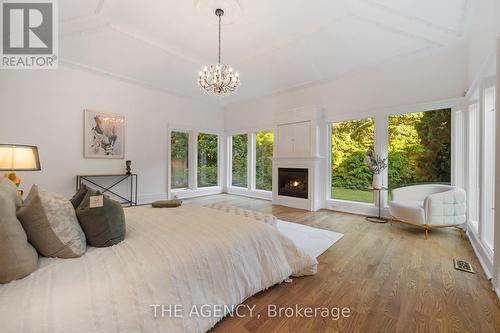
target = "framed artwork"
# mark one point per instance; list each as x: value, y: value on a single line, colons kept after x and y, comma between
x: 104, y: 135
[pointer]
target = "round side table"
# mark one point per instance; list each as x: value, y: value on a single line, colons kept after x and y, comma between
x: 379, y: 218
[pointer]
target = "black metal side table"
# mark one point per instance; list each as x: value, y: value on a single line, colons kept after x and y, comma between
x: 379, y: 218
x: 94, y: 180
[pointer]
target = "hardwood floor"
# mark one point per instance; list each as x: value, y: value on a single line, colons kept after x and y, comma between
x: 391, y: 278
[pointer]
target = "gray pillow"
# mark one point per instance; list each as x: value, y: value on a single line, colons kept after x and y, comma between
x: 51, y: 225
x: 78, y: 197
x: 103, y: 226
x: 17, y: 257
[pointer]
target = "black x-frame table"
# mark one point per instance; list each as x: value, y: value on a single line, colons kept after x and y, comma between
x: 94, y: 180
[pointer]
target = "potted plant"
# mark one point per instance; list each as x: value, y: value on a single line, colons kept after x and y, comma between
x: 377, y: 165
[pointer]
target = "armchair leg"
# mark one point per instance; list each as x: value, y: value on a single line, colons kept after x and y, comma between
x: 426, y: 233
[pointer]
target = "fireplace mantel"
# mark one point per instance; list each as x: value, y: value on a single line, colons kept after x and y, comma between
x: 297, y: 145
x: 316, y: 167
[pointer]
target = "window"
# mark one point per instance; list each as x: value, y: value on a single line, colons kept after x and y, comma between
x: 351, y: 177
x: 473, y: 166
x: 239, y: 160
x: 420, y: 148
x: 488, y: 169
x: 207, y: 159
x: 263, y: 161
x: 179, y: 156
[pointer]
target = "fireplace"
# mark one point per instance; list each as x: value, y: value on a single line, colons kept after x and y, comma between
x: 293, y: 182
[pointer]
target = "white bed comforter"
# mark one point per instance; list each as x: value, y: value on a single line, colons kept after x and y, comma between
x: 186, y: 256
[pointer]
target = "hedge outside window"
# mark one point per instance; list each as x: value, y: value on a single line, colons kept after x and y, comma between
x: 351, y: 177
x: 179, y: 148
x: 239, y: 160
x: 207, y: 159
x: 420, y: 148
x: 263, y: 161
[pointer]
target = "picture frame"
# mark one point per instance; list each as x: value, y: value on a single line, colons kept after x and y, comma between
x: 104, y: 135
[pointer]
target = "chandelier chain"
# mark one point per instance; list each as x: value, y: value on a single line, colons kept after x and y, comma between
x: 219, y: 36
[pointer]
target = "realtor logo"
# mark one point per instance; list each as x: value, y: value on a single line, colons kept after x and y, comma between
x: 29, y: 34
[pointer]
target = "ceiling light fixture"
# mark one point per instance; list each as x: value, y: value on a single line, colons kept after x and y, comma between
x: 219, y: 80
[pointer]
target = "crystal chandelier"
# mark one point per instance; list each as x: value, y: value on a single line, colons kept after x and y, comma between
x: 219, y: 80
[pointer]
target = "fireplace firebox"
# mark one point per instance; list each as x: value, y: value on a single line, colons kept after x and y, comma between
x: 293, y: 182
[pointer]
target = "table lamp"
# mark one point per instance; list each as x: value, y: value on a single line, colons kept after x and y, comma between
x: 18, y: 158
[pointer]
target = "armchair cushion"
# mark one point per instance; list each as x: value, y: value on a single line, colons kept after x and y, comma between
x: 408, y: 211
x: 418, y: 192
x: 446, y: 208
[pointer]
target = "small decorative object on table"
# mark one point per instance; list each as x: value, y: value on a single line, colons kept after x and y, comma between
x: 128, y: 168
x: 377, y: 165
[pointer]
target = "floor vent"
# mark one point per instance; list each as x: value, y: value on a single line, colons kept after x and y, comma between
x: 463, y: 265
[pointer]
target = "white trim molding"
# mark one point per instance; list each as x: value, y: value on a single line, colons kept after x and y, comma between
x: 193, y: 193
x: 482, y: 253
x: 496, y: 262
x: 259, y: 194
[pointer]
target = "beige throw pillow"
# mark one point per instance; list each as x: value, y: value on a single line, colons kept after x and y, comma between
x: 51, y: 225
x: 17, y: 257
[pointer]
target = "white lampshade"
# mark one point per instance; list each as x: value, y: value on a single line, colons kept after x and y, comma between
x: 19, y: 158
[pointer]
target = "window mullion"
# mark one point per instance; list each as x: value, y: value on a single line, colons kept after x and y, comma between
x: 193, y: 160
x: 381, y: 147
x: 251, y: 161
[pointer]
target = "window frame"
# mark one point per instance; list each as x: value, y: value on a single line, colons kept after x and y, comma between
x: 255, y: 157
x: 230, y: 161
x: 218, y: 184
x: 193, y: 190
x: 381, y: 145
x: 189, y: 165
x: 251, y: 189
x: 454, y: 140
x: 330, y: 145
x: 474, y: 224
x: 487, y: 84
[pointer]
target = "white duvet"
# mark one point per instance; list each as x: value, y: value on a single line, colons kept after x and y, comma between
x: 185, y: 256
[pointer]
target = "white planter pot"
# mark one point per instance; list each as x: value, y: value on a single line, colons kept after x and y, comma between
x: 377, y: 181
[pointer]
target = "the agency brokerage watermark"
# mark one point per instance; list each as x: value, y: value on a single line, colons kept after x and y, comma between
x: 243, y: 310
x: 29, y: 34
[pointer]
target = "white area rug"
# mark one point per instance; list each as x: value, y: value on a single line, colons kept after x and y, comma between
x: 312, y: 240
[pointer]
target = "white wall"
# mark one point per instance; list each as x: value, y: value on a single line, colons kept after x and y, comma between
x: 496, y: 265
x: 407, y: 81
x: 484, y: 30
x: 45, y: 108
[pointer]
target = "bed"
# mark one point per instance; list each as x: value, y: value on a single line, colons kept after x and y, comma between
x: 187, y: 256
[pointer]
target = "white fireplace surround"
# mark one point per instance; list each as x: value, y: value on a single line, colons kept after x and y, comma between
x: 297, y: 145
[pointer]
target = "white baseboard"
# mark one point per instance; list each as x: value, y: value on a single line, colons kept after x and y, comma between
x: 358, y: 208
x: 266, y: 195
x: 200, y: 192
x: 149, y: 198
x: 485, y: 260
x: 482, y: 255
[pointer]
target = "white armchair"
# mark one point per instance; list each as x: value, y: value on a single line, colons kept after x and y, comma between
x: 429, y: 206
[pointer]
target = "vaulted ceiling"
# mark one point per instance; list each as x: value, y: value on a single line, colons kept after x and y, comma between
x: 275, y: 45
